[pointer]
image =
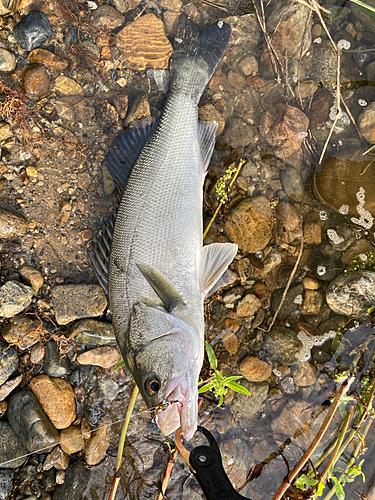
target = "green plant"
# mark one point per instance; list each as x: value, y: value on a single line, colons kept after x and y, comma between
x: 218, y: 383
x: 370, y: 11
x: 364, y: 260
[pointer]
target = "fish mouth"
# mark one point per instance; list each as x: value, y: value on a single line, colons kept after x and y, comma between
x: 176, y: 414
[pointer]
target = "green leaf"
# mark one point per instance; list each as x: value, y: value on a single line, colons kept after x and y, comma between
x: 304, y: 480
x: 339, y: 489
x: 206, y: 387
x: 234, y: 377
x: 370, y: 11
x: 119, y: 364
x: 238, y: 388
x: 221, y: 400
x: 319, y: 491
x: 211, y: 356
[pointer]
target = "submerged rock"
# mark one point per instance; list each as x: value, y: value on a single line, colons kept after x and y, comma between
x: 54, y: 364
x: 76, y: 480
x: 32, y: 31
x: 254, y: 369
x: 105, y: 357
x: 282, y: 346
x: 8, y: 361
x: 11, y: 448
x: 249, y: 405
x: 6, y: 483
x: 22, y: 331
x: 92, y: 331
x: 96, y: 447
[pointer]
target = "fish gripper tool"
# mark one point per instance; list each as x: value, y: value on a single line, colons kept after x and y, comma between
x: 206, y: 465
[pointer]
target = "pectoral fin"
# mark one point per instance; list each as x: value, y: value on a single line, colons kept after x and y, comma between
x: 162, y: 287
x: 215, y: 259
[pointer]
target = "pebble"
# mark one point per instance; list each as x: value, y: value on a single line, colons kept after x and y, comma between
x: 54, y: 364
x: 71, y: 302
x: 48, y: 59
x: 310, y: 284
x: 282, y: 345
x: 6, y: 483
x: 56, y: 396
x: 143, y: 44
x: 31, y: 276
x: 57, y: 459
x: 71, y: 440
x: 11, y: 448
x: 37, y: 353
x: 8, y: 387
x: 249, y: 405
x: 85, y: 428
x: 121, y: 103
x: 248, y: 306
x: 11, y: 223
x: 106, y: 18
x: 140, y: 109
x: 288, y: 222
x: 312, y: 302
x: 76, y: 480
x: 96, y: 447
x: 32, y: 31
x: 284, y: 127
x: 323, y: 61
x: 238, y: 132
x: 312, y: 229
x: 304, y: 374
x: 30, y: 423
x: 288, y: 386
x: 209, y: 113
x: 254, y: 369
x: 293, y: 300
x: 14, y: 298
x: 93, y: 332
x: 292, y: 181
x: 5, y: 131
x: 250, y: 224
x: 352, y: 295
x: 8, y: 361
x: 7, y: 60
x: 320, y: 107
x: 230, y: 342
x: 105, y: 356
x: 107, y: 114
x: 36, y: 81
x: 171, y: 5
x: 60, y: 477
x: 347, y: 183
x: 248, y: 65
x: 22, y: 331
x: 67, y: 86
x: 366, y: 123
x: 305, y: 89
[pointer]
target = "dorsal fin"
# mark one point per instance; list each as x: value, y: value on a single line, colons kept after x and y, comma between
x: 215, y: 259
x: 126, y: 149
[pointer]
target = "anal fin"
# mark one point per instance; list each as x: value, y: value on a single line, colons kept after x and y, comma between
x: 206, y: 137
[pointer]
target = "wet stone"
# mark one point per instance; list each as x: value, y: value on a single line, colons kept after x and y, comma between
x: 32, y: 31
x: 93, y: 332
x: 254, y: 369
x: 238, y: 132
x: 121, y: 102
x: 8, y: 361
x: 67, y: 86
x: 104, y: 356
x: 320, y: 107
x: 31, y: 276
x: 312, y: 302
x: 49, y: 480
x: 366, y: 123
x: 140, y: 109
x: 352, y: 295
x: 30, y: 423
x: 324, y: 268
x: 3, y: 408
x: 282, y: 346
x: 106, y: 18
x: 10, y: 447
x: 36, y: 81
x: 11, y: 223
x: 9, y: 386
x: 287, y: 385
x: 209, y: 113
x: 56, y: 396
x: 37, y: 353
x: 76, y: 480
x: 249, y: 65
x: 248, y: 306
x: 250, y: 224
x: 249, y: 405
x: 7, y: 60
x: 107, y: 114
x: 27, y: 475
x: 96, y: 447
x: 57, y: 459
x: 22, y: 331
x: 304, y: 374
x: 237, y: 457
x: 14, y: 298
x: 6, y: 483
x: 72, y: 302
x: 292, y: 302
x: 230, y: 342
x: 5, y: 131
x: 292, y: 181
x: 48, y: 59
x: 324, y: 64
x: 289, y: 222
x: 312, y: 230
x: 55, y: 365
x: 71, y: 440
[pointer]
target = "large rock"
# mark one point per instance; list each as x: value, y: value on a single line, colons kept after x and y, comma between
x: 76, y: 480
x: 12, y: 451
x: 32, y: 31
x: 72, y: 302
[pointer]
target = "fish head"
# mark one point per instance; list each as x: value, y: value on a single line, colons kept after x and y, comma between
x: 166, y: 362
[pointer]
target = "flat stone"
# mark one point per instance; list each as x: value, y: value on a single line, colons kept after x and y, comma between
x: 304, y: 374
x: 67, y: 86
x: 14, y: 298
x: 37, y: 353
x: 6, y: 483
x: 143, y: 44
x: 310, y: 284
x: 238, y: 132
x: 5, y: 131
x: 31, y: 276
x: 71, y: 302
x: 48, y: 59
x: 250, y: 224
x: 312, y: 229
x: 121, y: 102
x: 139, y: 109
x: 30, y: 423
x: 8, y: 387
x: 105, y: 356
x: 85, y: 428
x: 22, y: 331
x: 32, y: 31
x: 248, y: 306
x: 106, y: 18
x: 55, y: 364
x: 92, y: 331
x: 57, y: 459
x: 11, y: 223
x: 11, y: 448
x: 7, y: 61
x: 76, y: 480
x: 36, y: 81
x: 282, y: 346
x: 230, y: 342
x: 289, y: 222
x: 71, y: 440
x: 254, y: 369
x: 96, y: 447
x: 56, y: 396
x: 8, y: 361
x: 249, y: 405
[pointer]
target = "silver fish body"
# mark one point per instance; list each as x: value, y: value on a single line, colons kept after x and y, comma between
x: 159, y: 270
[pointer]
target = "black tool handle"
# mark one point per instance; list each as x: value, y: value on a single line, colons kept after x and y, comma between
x: 210, y: 474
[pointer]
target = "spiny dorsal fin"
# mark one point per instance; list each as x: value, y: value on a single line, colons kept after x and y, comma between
x: 215, y: 259
x: 206, y: 137
x: 126, y: 149
x: 162, y: 287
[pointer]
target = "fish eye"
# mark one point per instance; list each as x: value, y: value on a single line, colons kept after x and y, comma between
x: 152, y: 385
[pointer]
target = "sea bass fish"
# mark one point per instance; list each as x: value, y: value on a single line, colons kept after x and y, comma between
x: 152, y: 261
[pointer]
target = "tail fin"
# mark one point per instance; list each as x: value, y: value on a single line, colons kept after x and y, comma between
x: 196, y: 49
